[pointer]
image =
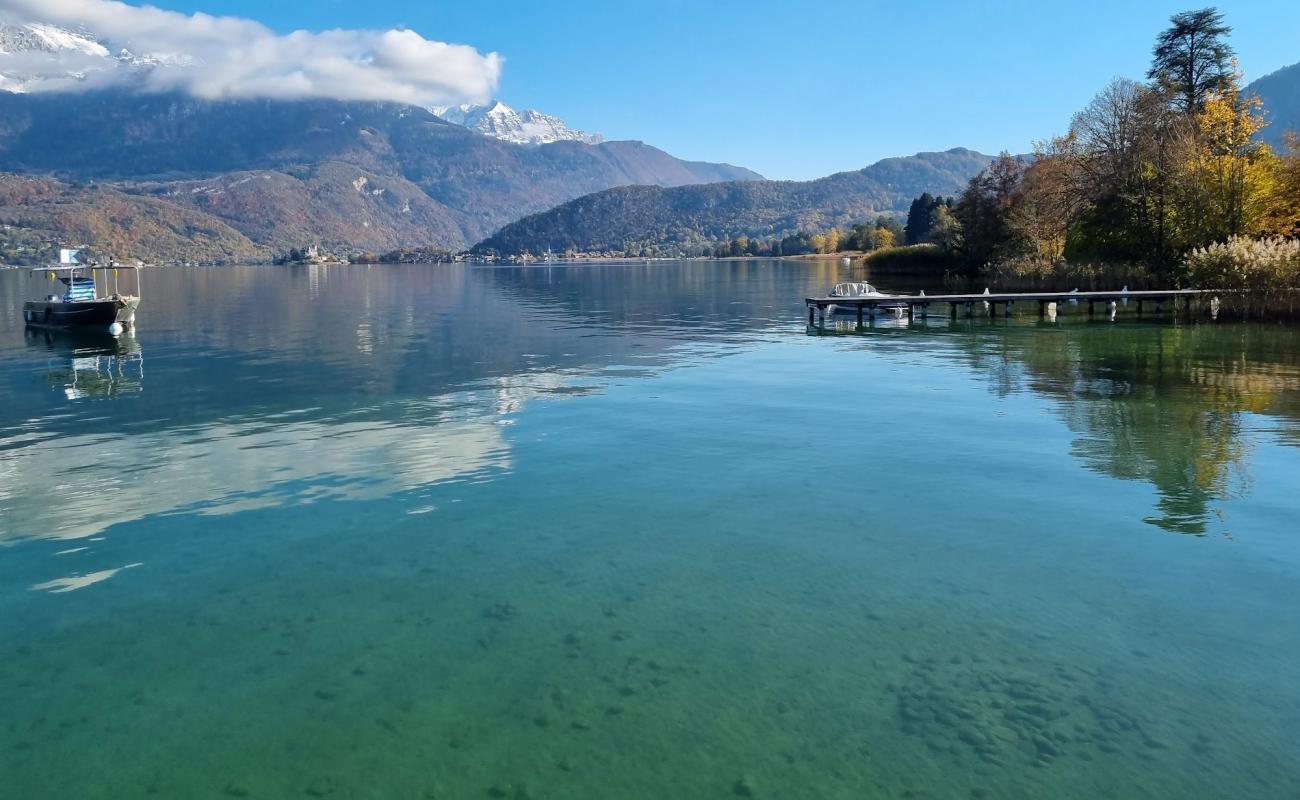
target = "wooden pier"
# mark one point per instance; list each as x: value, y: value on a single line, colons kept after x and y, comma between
x: 919, y: 304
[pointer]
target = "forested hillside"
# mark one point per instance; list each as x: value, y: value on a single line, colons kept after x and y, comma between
x: 648, y: 219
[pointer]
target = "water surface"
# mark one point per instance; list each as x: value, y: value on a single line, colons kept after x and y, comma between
x: 635, y: 531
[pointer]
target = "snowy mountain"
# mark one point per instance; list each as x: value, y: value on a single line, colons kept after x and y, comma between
x: 500, y: 121
x: 37, y: 38
x: 33, y: 53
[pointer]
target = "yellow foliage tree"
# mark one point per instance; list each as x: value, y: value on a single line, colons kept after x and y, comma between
x: 833, y: 240
x: 1283, y: 215
x: 884, y: 238
x: 1227, y: 177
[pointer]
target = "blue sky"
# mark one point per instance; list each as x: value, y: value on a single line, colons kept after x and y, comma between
x: 801, y: 89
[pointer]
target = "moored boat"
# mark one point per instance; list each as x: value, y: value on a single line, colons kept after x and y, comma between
x: 862, y: 291
x: 74, y: 295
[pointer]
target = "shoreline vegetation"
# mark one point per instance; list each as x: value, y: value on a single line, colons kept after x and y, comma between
x: 1164, y: 184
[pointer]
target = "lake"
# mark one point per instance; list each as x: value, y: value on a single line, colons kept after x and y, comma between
x: 636, y: 531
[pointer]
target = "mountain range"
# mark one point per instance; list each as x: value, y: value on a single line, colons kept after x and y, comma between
x: 666, y: 217
x: 195, y: 179
x: 352, y: 176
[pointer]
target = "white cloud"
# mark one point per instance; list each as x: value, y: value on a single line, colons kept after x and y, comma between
x: 231, y: 57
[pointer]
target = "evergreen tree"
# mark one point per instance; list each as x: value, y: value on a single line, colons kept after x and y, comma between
x: 1191, y: 59
x: 920, y: 218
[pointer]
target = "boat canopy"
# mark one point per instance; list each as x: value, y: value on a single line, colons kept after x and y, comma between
x: 83, y: 282
x: 84, y: 268
x: 853, y: 290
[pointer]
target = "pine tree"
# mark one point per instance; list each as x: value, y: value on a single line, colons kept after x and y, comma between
x: 920, y: 218
x: 1191, y: 60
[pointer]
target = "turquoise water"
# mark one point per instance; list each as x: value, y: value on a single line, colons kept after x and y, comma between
x: 635, y: 531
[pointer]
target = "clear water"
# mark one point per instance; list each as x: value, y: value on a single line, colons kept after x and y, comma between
x: 632, y: 531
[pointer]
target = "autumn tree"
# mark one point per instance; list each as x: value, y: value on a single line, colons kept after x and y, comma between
x: 1282, y: 216
x: 1226, y: 179
x: 1116, y: 159
x: 945, y: 230
x: 984, y: 211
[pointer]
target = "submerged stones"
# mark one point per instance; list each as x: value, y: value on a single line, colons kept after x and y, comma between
x: 501, y: 612
x: 1008, y: 718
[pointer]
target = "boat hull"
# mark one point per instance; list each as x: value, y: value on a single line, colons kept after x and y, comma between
x: 882, y: 309
x: 80, y: 314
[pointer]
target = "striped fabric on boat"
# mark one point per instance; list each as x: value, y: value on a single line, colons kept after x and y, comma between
x: 79, y: 290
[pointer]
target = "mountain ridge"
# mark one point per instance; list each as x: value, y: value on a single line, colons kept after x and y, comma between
x: 687, y: 216
x: 1279, y: 91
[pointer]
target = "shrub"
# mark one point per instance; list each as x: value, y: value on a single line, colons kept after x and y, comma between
x: 1045, y: 273
x: 1258, y: 275
x: 1254, y: 265
x: 916, y: 256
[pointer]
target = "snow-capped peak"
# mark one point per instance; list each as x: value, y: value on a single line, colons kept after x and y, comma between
x: 35, y: 37
x: 500, y: 121
x: 34, y: 53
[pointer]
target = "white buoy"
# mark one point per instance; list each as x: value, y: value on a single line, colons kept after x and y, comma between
x: 116, y: 328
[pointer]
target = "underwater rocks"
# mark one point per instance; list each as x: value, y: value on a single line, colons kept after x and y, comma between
x: 501, y: 612
x: 1009, y: 718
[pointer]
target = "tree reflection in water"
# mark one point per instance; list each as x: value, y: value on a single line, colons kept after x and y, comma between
x: 1164, y: 404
